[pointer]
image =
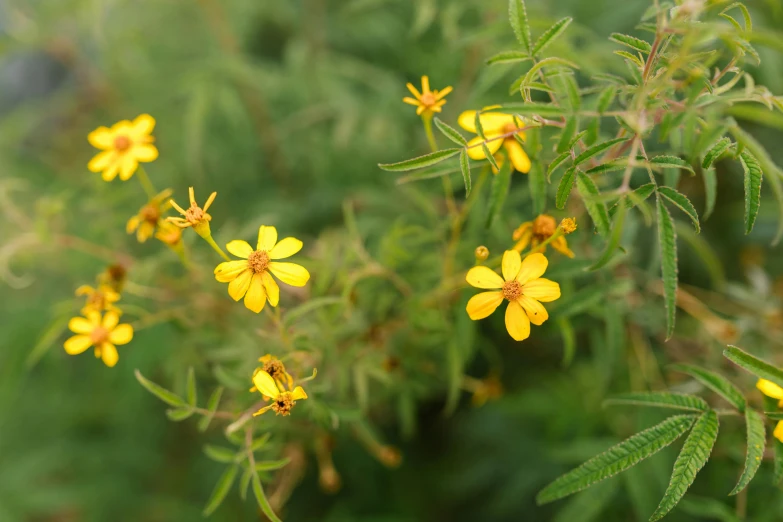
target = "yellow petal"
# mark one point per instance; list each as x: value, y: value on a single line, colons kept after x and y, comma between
x: 413, y: 90
x: 94, y: 317
x: 768, y: 388
x: 491, y: 122
x: 483, y: 277
x: 238, y: 287
x: 111, y: 171
x: 524, y: 240
x: 271, y: 288
x: 778, y: 433
x: 255, y: 299
x: 542, y: 290
x: 128, y: 166
x: 142, y: 126
x: 267, y: 237
x: 535, y: 311
x: 298, y: 394
x: 101, y: 138
x: 425, y: 84
x: 100, y: 161
x: 239, y: 248
x: 110, y: 320
x: 476, y: 151
x: 285, y: 248
x: 145, y: 231
x: 443, y: 93
x: 561, y: 245
x: 262, y: 410
x: 290, y: 273
x: 84, y: 290
x: 228, y: 271
x: 411, y: 101
x: 77, y: 344
x: 145, y: 152
x: 517, y: 154
x: 483, y: 304
x: 517, y: 323
x: 511, y: 264
x: 132, y: 225
x: 80, y: 325
x: 122, y: 334
x: 109, y: 354
x: 266, y: 384
x: 533, y: 267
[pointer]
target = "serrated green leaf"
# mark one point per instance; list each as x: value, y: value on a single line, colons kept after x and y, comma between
x: 191, y: 387
x: 179, y: 414
x: 479, y: 127
x: 551, y: 34
x: 556, y: 163
x: 606, y: 98
x: 508, y: 57
x: 716, y: 383
x: 450, y: 132
x: 432, y: 158
x: 673, y: 162
x: 594, y: 205
x: 552, y: 61
x: 715, y: 152
x: 757, y: 440
x: 563, y: 144
x: 498, y: 192
x: 745, y: 15
x: 531, y: 109
x: 753, y: 365
x: 271, y: 465
x: 160, y: 392
x: 777, y: 460
x: 464, y: 164
x: 263, y: 503
x: 618, y: 458
x: 597, y: 149
x: 634, y: 198
x: 629, y: 41
x: 212, y: 405
x: 614, y: 238
x: 695, y: 453
x: 710, y: 191
x: 774, y: 415
x: 753, y: 178
x: 675, y: 401
x: 490, y: 157
x: 565, y: 186
x: 731, y: 20
x: 572, y: 89
x: 667, y: 240
x: 537, y: 184
x: 220, y: 454
x: 682, y: 202
x: 517, y: 16
x: 632, y: 57
x: 222, y: 488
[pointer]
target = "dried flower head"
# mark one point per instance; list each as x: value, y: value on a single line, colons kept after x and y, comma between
x: 282, y: 400
x: 539, y: 230
x: 194, y: 216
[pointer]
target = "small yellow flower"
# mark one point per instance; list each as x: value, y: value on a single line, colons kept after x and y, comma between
x: 123, y: 146
x: 282, y: 399
x: 521, y: 285
x: 568, y: 226
x: 427, y: 102
x: 195, y: 216
x: 102, y: 332
x: 169, y: 234
x: 251, y: 277
x: 495, y: 125
x: 275, y: 367
x: 98, y: 299
x: 770, y: 389
x: 539, y: 230
x: 149, y: 217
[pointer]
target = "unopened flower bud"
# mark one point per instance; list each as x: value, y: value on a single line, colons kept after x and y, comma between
x: 482, y: 253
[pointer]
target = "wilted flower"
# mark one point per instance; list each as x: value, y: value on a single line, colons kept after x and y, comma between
x: 102, y: 332
x: 539, y: 230
x: 282, y: 400
x: 426, y: 102
x: 276, y: 369
x: 195, y: 216
x: 123, y: 146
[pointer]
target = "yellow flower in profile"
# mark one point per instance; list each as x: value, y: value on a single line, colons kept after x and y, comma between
x: 123, y: 146
x: 521, y: 285
x: 770, y: 389
x: 535, y: 232
x: 498, y: 129
x: 427, y: 102
x: 282, y: 399
x: 98, y: 299
x: 102, y: 332
x: 250, y: 278
x: 149, y: 217
x: 195, y: 216
x: 274, y: 367
x: 169, y: 234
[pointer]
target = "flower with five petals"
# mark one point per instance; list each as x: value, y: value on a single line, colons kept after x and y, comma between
x: 123, y: 146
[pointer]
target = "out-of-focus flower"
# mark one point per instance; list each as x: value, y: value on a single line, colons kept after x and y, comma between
x: 169, y: 234
x: 539, y: 230
x: 251, y: 277
x: 499, y: 129
x: 487, y: 389
x: 104, y: 333
x: 427, y: 102
x: 282, y: 400
x: 114, y: 276
x: 195, y: 216
x: 146, y: 222
x: 770, y: 389
x: 98, y: 299
x: 123, y: 146
x: 521, y: 285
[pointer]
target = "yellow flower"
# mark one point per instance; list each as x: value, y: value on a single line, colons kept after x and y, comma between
x: 282, y: 399
x: 539, y: 230
x: 195, y: 216
x: 123, y: 147
x: 170, y: 234
x: 148, y: 219
x: 521, y: 285
x: 426, y: 102
x: 103, y: 333
x: 274, y: 367
x: 770, y: 389
x: 98, y: 299
x: 499, y: 126
x: 251, y: 277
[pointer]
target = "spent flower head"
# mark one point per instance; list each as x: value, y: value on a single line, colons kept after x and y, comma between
x: 149, y: 218
x: 123, y: 146
x: 102, y: 332
x: 195, y: 216
x: 283, y: 400
x: 427, y: 102
x: 542, y: 229
x: 275, y: 368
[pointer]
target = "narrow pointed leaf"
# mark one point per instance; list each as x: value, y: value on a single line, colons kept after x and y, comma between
x: 551, y: 34
x: 420, y: 162
x: 757, y: 440
x: 212, y: 405
x: 563, y: 145
x: 532, y: 109
x: 450, y: 132
x: 597, y: 149
x: 753, y: 177
x: 517, y: 16
x: 508, y: 57
x: 682, y: 202
x: 777, y: 456
x: 271, y: 465
x: 263, y: 503
x: 675, y: 401
x: 754, y: 365
x: 595, y: 206
x: 556, y: 163
x: 715, y: 152
x: 629, y: 41
x: 667, y: 240
x: 490, y: 157
x: 564, y: 187
x: 716, y: 383
x: 606, y: 98
x: 710, y: 191
x: 222, y: 488
x: 179, y: 414
x: 160, y: 392
x: 191, y: 387
x: 673, y: 162
x: 220, y: 454
x: 537, y: 185
x: 614, y: 238
x: 634, y: 198
x: 498, y: 192
x: 464, y: 164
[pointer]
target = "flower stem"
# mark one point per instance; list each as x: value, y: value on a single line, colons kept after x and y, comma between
x: 146, y: 184
x: 215, y: 246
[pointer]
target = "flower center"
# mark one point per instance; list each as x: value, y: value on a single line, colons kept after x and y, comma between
x: 99, y: 335
x: 544, y: 226
x: 428, y: 99
x: 194, y: 214
x: 274, y: 368
x: 283, y: 404
x: 151, y: 214
x: 122, y: 143
x: 258, y: 261
x: 512, y: 290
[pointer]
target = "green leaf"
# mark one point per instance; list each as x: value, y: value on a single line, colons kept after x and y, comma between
x: 682, y: 202
x: 757, y: 440
x: 222, y: 488
x: 50, y: 335
x: 310, y: 306
x: 537, y: 184
x: 629, y: 41
x: 564, y: 187
x: 606, y: 98
x: 420, y: 162
x: 694, y: 455
x: 753, y: 177
x: 271, y: 465
x: 634, y: 198
x: 745, y: 15
x: 710, y: 191
x: 191, y: 387
x: 667, y: 239
x: 263, y: 503
x: 244, y: 482
x: 552, y: 61
x: 551, y: 34
x: 675, y: 401
x: 673, y: 162
x: 531, y: 109
x: 498, y: 192
x: 450, y: 132
x: 517, y: 16
x: 556, y: 163
x: 179, y: 414
x: 563, y: 145
x: 618, y: 458
x: 715, y: 152
x: 614, y: 239
x: 160, y: 392
x: 635, y: 60
x: 777, y: 456
x: 490, y: 157
x: 220, y: 454
x: 597, y: 149
x: 508, y: 57
x: 464, y: 164
x: 754, y: 365
x: 212, y: 405
x: 716, y: 383
x: 594, y: 205
x: 569, y: 340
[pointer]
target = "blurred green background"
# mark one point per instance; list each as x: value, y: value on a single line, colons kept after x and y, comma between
x: 285, y: 109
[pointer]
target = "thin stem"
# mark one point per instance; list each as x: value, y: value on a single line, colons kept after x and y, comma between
x: 146, y: 184
x: 215, y: 247
x: 427, y: 120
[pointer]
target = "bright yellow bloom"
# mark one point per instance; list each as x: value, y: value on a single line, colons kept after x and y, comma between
x: 123, y: 147
x: 282, y: 399
x: 195, y: 216
x: 251, y: 279
x: 521, y: 285
x: 274, y: 367
x: 149, y: 217
x: 539, y: 230
x: 98, y: 299
x: 770, y: 389
x: 495, y: 125
x: 103, y: 333
x: 427, y: 102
